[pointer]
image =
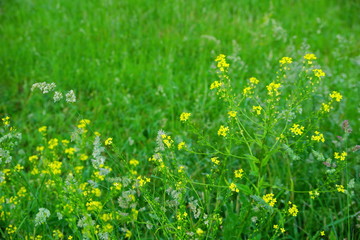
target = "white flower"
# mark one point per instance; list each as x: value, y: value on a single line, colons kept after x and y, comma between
x: 57, y: 96
x: 41, y: 216
x: 44, y: 87
x: 70, y: 96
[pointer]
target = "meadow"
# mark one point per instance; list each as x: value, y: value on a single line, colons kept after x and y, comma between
x: 179, y: 119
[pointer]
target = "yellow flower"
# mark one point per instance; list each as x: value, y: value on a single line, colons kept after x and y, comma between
x: 297, y: 129
x: 269, y: 199
x: 6, y: 120
x: 94, y: 206
x: 181, y: 145
x: 326, y: 107
x: 18, y: 168
x: 273, y: 89
x: 134, y: 162
x: 128, y: 234
x: 215, y: 84
x: 199, y: 231
x: 282, y: 230
x: 53, y: 143
x: 257, y: 109
x: 314, y: 194
x: 33, y: 158
x: 223, y: 131
x: 233, y: 187
x: 40, y: 148
x: 42, y: 129
x: 336, y: 95
x: 83, y: 157
x: 322, y: 233
x: 341, y: 156
x: 285, y: 60
x: 319, y: 73
x: 70, y: 151
x: 83, y: 123
x: 11, y: 229
x: 55, y: 167
x: 108, y: 228
x: 293, y: 210
x: 167, y: 140
x: 181, y: 169
x: 65, y: 142
x: 108, y: 141
x: 340, y: 188
x: 276, y: 226
x: 116, y: 186
x: 254, y: 80
x: 310, y: 56
x: 319, y: 137
x: 221, y: 63
x: 184, y: 116
x: 215, y: 160
x: 239, y: 173
x: 232, y: 113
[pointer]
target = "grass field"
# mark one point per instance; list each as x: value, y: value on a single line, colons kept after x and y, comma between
x: 135, y: 66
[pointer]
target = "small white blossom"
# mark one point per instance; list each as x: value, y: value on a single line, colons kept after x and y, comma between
x: 57, y: 96
x: 70, y: 96
x: 41, y: 216
x: 44, y: 87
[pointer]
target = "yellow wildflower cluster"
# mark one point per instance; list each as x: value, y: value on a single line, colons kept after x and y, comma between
x: 184, y: 116
x: 310, y: 57
x: 325, y: 107
x: 134, y: 162
x: 57, y: 234
x: 6, y: 120
x: 232, y: 114
x: 293, y: 210
x: 341, y: 156
x: 319, y: 137
x: 157, y: 159
x: 297, y: 129
x: 199, y: 231
x: 269, y: 199
x: 222, y: 65
x: 318, y: 73
x: 340, y: 188
x: 55, y: 167
x: 248, y: 90
x: 257, y: 109
x: 181, y: 145
x: 42, y: 129
x: 83, y: 157
x: 285, y: 60
x: 223, y: 131
x: 233, y: 187
x: 239, y: 173
x: 282, y: 230
x: 167, y: 140
x: 273, y: 89
x: 215, y: 160
x: 215, y: 84
x: 336, y: 95
x: 108, y: 141
x: 83, y: 123
x: 70, y: 151
x: 94, y: 206
x: 314, y: 194
x: 11, y: 229
x: 142, y: 180
x: 52, y: 143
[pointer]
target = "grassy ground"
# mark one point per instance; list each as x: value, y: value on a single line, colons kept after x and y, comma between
x: 136, y: 65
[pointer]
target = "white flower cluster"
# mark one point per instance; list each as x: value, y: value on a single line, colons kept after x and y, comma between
x: 97, y: 151
x: 41, y: 216
x: 49, y: 87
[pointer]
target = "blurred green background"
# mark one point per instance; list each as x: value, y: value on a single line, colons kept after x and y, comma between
x: 135, y: 65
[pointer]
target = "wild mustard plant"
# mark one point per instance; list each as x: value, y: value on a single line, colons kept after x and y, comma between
x: 241, y: 178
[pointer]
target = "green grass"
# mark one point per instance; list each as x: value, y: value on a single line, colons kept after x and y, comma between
x: 135, y: 65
